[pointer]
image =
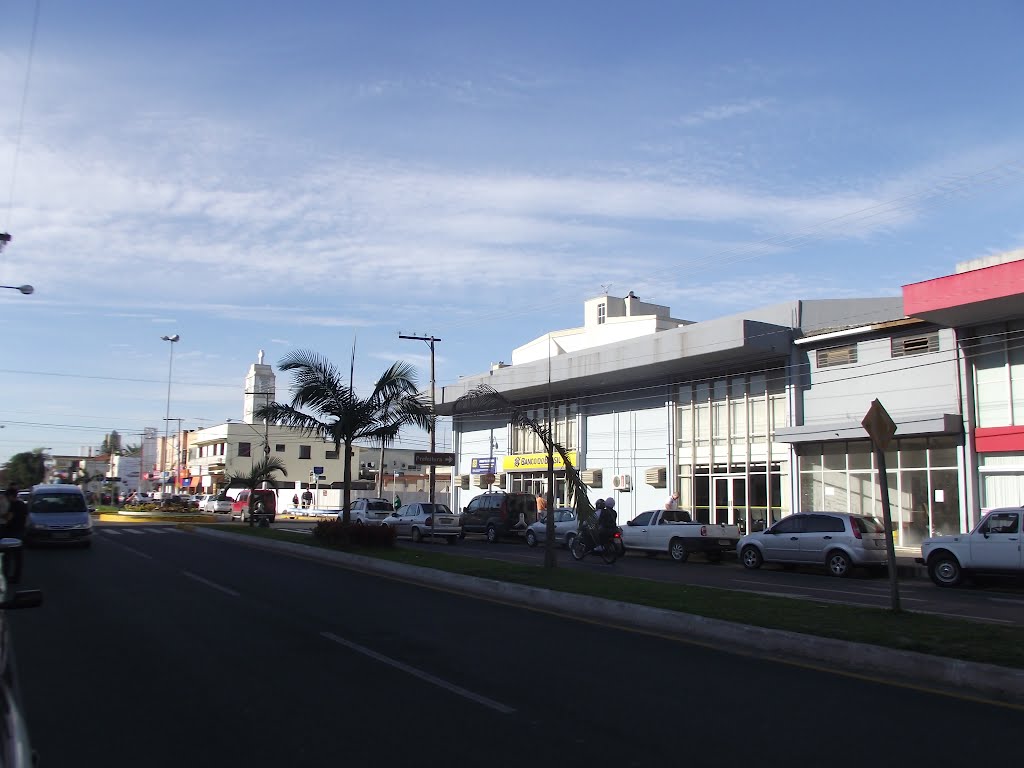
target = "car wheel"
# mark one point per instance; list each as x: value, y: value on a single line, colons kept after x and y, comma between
x: 944, y: 570
x: 751, y: 557
x: 677, y: 551
x: 531, y: 539
x: 492, y: 534
x: 838, y: 563
x: 416, y: 535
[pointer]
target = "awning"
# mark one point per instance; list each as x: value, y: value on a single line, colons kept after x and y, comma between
x: 906, y: 426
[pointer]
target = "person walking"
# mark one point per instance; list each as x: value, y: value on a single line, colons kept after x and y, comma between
x: 14, y: 527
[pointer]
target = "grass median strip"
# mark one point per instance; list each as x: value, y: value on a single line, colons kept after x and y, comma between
x: 949, y: 637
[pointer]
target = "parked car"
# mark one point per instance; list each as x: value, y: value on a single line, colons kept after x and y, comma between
x: 837, y: 540
x: 58, y: 514
x: 240, y: 506
x: 499, y: 514
x: 369, y: 511
x: 419, y: 520
x: 994, y: 546
x: 566, y: 526
x: 217, y: 504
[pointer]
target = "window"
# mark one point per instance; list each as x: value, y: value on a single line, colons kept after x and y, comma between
x: 334, y: 455
x: 245, y: 449
x: 279, y: 447
x: 642, y: 519
x: 914, y: 345
x: 305, y: 451
x: 791, y: 524
x: 602, y: 310
x: 823, y: 524
x: 836, y: 356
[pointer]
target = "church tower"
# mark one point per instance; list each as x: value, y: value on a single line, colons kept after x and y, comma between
x: 260, y: 389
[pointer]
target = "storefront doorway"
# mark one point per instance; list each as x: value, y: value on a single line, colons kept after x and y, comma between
x: 730, y: 501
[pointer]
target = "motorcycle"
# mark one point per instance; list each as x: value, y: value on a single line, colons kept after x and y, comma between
x: 259, y: 516
x: 586, y: 541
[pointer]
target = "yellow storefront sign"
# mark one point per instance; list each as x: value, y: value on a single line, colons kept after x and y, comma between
x: 534, y: 462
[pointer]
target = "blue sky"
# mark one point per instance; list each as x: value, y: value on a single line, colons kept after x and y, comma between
x: 266, y: 176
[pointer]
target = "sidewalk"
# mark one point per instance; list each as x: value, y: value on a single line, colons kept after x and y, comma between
x: 952, y: 676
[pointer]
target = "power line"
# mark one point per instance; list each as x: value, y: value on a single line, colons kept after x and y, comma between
x: 21, y: 112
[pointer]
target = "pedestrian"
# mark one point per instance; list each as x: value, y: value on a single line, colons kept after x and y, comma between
x: 542, y: 507
x: 14, y: 527
x: 295, y: 501
x: 307, y: 498
x: 673, y: 501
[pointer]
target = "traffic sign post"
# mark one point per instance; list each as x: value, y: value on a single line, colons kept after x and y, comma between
x: 881, y: 428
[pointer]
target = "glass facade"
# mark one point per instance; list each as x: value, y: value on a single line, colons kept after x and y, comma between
x: 563, y: 425
x: 922, y: 476
x: 997, y: 352
x: 730, y: 470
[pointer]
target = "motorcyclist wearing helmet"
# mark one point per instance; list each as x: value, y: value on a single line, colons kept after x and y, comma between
x: 605, y: 521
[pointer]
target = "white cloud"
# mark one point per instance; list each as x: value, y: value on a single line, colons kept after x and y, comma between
x: 724, y: 111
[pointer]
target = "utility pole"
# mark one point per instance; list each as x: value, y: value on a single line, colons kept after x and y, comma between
x: 433, y: 419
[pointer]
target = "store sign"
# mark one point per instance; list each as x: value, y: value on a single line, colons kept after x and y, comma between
x: 484, y: 466
x: 534, y: 462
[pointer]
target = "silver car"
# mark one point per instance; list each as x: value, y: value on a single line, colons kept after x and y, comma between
x: 837, y: 540
x: 217, y: 504
x: 565, y: 528
x: 58, y: 514
x: 419, y: 520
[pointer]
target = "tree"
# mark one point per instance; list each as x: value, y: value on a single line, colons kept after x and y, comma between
x: 26, y: 469
x: 324, y: 405
x: 484, y: 398
x: 262, y: 471
x: 111, y: 443
x: 399, y: 409
x: 131, y: 450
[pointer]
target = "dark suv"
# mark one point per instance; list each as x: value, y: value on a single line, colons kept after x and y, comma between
x: 500, y: 514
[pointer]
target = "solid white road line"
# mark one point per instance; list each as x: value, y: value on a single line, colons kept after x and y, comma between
x: 214, y: 585
x: 425, y: 676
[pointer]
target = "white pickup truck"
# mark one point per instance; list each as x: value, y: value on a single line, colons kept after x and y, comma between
x: 993, y: 547
x: 674, y: 532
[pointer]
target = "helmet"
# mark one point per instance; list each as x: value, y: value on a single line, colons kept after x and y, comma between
x: 609, y: 502
x: 599, y: 504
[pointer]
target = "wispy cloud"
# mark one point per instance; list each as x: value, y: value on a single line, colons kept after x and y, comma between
x: 727, y: 111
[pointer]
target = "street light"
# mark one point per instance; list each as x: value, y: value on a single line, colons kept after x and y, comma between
x: 26, y: 289
x: 167, y: 418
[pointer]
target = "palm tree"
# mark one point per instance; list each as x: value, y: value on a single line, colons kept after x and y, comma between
x: 324, y: 405
x: 399, y: 409
x: 262, y: 471
x: 484, y: 398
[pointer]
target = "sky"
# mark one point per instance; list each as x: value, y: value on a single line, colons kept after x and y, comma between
x: 323, y: 175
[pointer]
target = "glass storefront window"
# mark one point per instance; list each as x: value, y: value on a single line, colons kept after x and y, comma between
x: 860, y: 454
x: 913, y: 453
x: 834, y: 456
x: 942, y: 451
x: 810, y: 457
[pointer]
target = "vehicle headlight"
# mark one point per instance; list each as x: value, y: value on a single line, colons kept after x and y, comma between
x: 86, y: 524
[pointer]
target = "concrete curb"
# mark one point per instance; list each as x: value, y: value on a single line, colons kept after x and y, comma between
x: 1002, y: 684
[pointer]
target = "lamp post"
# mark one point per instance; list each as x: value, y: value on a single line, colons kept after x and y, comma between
x: 25, y: 289
x: 433, y: 419
x: 174, y: 338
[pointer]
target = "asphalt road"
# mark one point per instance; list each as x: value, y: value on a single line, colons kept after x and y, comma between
x: 162, y: 648
x: 992, y: 599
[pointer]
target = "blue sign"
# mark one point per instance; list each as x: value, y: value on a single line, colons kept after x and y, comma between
x: 318, y: 470
x: 484, y: 466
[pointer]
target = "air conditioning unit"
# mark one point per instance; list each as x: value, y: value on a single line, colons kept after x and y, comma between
x: 591, y: 477
x: 482, y: 481
x: 656, y: 476
x: 500, y: 480
x: 464, y: 482
x: 622, y: 483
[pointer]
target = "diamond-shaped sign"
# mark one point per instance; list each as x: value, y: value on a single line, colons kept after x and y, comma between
x: 879, y: 425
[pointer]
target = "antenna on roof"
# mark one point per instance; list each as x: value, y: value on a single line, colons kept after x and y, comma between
x: 605, y: 287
